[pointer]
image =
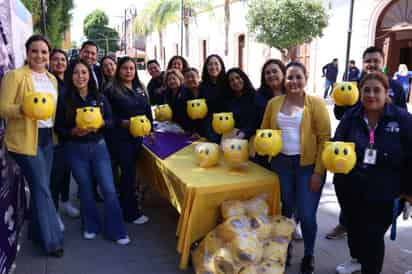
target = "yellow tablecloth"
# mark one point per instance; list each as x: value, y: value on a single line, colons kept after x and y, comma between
x: 197, y: 193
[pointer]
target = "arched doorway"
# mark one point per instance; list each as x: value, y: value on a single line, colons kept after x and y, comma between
x: 394, y: 34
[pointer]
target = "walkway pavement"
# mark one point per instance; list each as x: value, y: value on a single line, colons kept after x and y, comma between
x: 153, y: 248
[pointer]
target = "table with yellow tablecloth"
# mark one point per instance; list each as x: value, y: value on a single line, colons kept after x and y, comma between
x: 197, y: 193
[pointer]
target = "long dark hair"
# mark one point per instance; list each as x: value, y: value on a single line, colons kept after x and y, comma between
x: 72, y: 91
x: 205, y: 74
x: 105, y: 79
x: 118, y: 85
x: 36, y: 38
x: 184, y: 62
x: 247, y: 84
x: 279, y: 63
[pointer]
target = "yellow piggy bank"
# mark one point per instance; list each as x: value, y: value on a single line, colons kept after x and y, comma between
x: 235, y: 151
x: 345, y: 93
x: 268, y: 142
x: 38, y: 106
x: 140, y: 126
x: 197, y: 109
x: 223, y: 122
x: 207, y: 154
x: 339, y: 157
x: 89, y: 118
x: 163, y: 113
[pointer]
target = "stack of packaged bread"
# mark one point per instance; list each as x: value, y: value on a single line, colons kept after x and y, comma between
x: 249, y: 241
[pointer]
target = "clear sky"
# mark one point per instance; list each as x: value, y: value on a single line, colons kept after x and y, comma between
x: 113, y: 8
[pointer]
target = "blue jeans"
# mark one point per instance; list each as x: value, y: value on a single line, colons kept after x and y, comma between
x: 43, y: 226
x: 328, y: 86
x: 60, y: 177
x: 90, y: 160
x: 297, y: 198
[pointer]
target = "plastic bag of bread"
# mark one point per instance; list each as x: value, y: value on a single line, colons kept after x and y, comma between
x: 275, y: 249
x: 246, y: 249
x: 261, y: 226
x: 224, y: 262
x: 233, y: 227
x: 254, y: 206
x: 270, y: 267
x: 282, y: 227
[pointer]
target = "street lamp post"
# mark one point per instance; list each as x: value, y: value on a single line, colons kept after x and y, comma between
x: 182, y: 14
x: 43, y: 10
x: 348, y: 44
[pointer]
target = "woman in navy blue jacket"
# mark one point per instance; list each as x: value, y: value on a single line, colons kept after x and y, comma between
x: 128, y: 99
x: 173, y: 94
x: 86, y: 152
x: 241, y: 101
x: 191, y: 91
x: 382, y: 134
x: 271, y: 85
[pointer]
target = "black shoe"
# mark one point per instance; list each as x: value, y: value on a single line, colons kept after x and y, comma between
x: 289, y: 254
x: 57, y: 253
x: 307, y: 265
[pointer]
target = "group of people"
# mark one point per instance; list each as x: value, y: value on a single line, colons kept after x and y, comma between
x: 378, y: 124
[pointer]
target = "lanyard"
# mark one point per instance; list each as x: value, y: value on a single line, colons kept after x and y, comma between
x: 372, y: 136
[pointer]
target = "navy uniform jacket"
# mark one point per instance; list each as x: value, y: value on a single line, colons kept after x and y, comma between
x: 214, y: 96
x: 184, y: 120
x: 153, y: 87
x: 125, y: 105
x: 353, y: 76
x: 244, y: 110
x: 395, y: 93
x: 65, y: 122
x: 176, y: 104
x: 263, y: 95
x: 387, y: 179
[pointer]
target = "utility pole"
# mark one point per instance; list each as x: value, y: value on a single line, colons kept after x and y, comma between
x: 182, y: 15
x: 43, y: 10
x: 348, y: 44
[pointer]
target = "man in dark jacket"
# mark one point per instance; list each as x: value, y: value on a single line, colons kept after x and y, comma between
x: 330, y: 71
x: 88, y: 53
x: 155, y: 86
x: 352, y: 73
x: 373, y: 60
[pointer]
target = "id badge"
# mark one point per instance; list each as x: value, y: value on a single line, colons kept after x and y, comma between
x: 370, y: 156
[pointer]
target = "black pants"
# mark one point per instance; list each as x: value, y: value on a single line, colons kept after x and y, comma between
x: 126, y: 154
x: 366, y: 224
x: 60, y: 177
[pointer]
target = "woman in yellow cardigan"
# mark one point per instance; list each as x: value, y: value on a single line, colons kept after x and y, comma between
x: 305, y: 125
x: 30, y: 141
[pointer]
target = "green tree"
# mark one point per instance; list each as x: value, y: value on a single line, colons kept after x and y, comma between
x: 286, y: 24
x: 95, y: 28
x: 58, y: 17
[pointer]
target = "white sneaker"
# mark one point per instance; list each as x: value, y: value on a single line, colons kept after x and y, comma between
x: 123, y: 241
x: 89, y: 235
x: 297, y: 234
x: 141, y: 220
x: 352, y: 266
x: 71, y: 210
x: 59, y: 220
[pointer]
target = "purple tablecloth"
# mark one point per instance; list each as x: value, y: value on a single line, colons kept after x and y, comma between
x: 12, y: 206
x: 168, y: 143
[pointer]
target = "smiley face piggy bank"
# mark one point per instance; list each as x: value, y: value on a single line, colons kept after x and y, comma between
x: 345, y: 93
x: 38, y: 106
x: 268, y: 142
x: 207, y: 154
x: 223, y: 122
x: 235, y: 151
x: 140, y: 126
x: 339, y: 157
x: 163, y: 113
x: 197, y: 109
x: 89, y: 118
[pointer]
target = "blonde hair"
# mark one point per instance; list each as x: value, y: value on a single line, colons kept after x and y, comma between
x: 176, y: 73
